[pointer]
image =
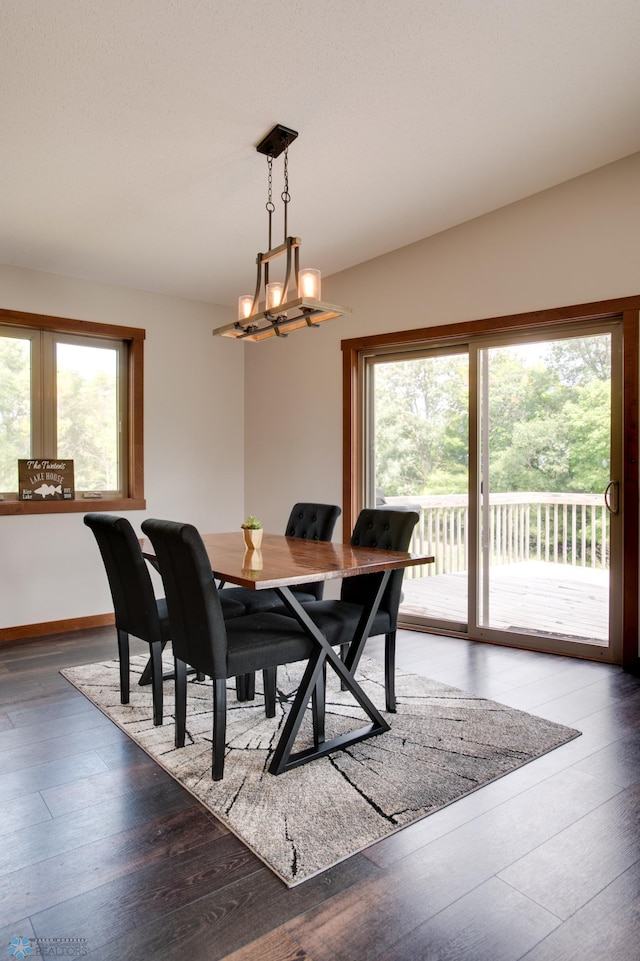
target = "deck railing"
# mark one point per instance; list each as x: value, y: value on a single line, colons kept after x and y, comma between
x: 558, y: 528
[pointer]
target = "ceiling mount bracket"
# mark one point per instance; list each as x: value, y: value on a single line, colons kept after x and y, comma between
x: 277, y: 140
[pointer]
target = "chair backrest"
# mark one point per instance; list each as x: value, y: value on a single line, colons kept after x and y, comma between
x: 198, y: 632
x: 314, y: 522
x: 134, y: 602
x: 392, y: 531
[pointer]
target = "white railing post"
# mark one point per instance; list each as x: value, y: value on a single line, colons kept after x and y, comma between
x: 567, y: 528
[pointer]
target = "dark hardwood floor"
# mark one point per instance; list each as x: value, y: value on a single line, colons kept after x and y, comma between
x: 98, y: 843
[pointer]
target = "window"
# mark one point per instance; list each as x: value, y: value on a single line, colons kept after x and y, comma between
x: 71, y: 390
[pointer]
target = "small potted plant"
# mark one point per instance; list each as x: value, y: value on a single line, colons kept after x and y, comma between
x: 252, y: 531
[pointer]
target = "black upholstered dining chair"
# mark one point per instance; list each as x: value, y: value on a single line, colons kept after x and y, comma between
x: 137, y: 610
x: 308, y: 520
x: 338, y: 619
x: 204, y: 640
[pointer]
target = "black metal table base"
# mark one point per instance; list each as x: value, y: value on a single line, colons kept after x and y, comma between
x: 283, y: 758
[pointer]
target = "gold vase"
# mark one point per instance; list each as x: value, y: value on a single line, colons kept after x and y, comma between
x: 252, y: 538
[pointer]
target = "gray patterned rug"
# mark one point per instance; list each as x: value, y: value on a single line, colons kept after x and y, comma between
x: 443, y: 744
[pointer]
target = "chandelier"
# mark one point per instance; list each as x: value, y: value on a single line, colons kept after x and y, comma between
x: 280, y: 306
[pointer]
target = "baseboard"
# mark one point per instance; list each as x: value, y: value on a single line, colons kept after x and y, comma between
x: 26, y: 631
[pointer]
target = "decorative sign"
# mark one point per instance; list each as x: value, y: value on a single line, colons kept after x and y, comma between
x: 45, y: 480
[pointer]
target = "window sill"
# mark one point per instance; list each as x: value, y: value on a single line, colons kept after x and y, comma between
x: 79, y: 506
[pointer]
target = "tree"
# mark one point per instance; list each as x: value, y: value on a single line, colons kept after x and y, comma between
x: 15, y: 409
x: 580, y: 360
x: 587, y: 428
x: 537, y: 459
x: 86, y: 428
x: 421, y: 424
x: 549, y: 413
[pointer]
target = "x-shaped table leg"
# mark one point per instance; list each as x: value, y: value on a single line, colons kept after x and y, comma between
x: 283, y: 759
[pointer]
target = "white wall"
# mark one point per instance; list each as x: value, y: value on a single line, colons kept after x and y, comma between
x: 573, y: 244
x: 50, y: 568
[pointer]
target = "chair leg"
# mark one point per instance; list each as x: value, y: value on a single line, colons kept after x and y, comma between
x: 123, y: 656
x: 156, y: 681
x: 269, y: 682
x: 180, y: 670
x: 246, y: 687
x: 241, y: 687
x: 219, y: 727
x: 390, y: 671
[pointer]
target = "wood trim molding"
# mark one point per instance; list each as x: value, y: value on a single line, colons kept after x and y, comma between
x: 72, y: 507
x: 599, y: 310
x: 23, y: 632
x: 350, y: 457
x: 135, y: 454
x: 631, y: 490
x: 69, y: 325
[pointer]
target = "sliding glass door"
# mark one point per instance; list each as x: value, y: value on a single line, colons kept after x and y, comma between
x: 547, y: 474
x: 418, y: 457
x: 510, y: 450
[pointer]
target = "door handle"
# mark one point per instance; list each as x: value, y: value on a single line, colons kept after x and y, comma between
x: 612, y: 497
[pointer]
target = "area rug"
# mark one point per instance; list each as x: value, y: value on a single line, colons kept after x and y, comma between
x: 443, y: 744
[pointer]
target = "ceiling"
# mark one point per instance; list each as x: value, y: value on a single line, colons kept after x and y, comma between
x: 129, y: 126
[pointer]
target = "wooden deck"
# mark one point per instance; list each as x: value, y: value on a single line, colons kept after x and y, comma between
x: 533, y: 596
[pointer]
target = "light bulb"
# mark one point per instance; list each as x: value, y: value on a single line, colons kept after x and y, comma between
x: 245, y: 303
x: 309, y: 283
x: 274, y: 295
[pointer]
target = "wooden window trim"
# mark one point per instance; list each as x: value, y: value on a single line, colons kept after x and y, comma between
x: 626, y: 308
x: 135, y: 461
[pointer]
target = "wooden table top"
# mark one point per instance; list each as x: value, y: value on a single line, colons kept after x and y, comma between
x: 292, y: 560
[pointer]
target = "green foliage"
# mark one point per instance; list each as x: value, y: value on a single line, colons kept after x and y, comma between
x: 536, y: 459
x: 580, y: 360
x: 86, y: 428
x: 87, y: 418
x: 252, y: 523
x: 15, y: 409
x: 549, y: 416
x: 421, y: 423
x: 587, y: 428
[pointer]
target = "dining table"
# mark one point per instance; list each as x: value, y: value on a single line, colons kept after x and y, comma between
x: 280, y: 564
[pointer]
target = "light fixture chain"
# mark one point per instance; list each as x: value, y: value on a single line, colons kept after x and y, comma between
x: 269, y: 204
x: 286, y: 196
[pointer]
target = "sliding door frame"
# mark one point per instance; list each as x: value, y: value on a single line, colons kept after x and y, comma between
x: 625, y: 309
